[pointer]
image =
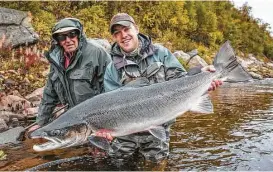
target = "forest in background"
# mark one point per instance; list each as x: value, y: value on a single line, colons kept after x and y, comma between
x: 179, y: 25
x: 182, y: 25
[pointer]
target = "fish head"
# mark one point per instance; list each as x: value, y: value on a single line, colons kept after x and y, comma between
x: 60, y: 136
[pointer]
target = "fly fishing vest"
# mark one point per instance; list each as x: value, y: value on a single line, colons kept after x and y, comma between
x: 130, y: 70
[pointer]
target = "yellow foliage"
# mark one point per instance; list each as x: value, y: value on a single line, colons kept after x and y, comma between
x: 43, y: 24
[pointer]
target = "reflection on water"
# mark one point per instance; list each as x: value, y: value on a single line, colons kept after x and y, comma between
x: 237, y: 136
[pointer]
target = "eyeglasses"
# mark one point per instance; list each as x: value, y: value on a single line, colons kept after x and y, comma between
x: 71, y: 35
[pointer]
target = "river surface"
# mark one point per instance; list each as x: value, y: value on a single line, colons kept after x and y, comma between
x: 238, y: 136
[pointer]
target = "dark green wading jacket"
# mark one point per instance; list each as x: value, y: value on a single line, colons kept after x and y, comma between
x: 82, y: 79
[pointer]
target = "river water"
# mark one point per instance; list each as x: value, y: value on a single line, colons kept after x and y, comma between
x: 238, y: 136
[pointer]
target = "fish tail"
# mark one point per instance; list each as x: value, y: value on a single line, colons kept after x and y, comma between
x: 226, y: 63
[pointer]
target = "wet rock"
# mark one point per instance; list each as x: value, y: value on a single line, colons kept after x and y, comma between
x: 192, y: 59
x: 11, y: 135
x: 3, y: 125
x: 193, y: 53
x: 196, y: 61
x: 14, y: 123
x: 16, y: 93
x: 36, y: 95
x: 255, y: 75
x: 30, y: 112
x: 35, y: 103
x: 16, y: 26
x: 4, y: 116
x: 252, y: 57
x: 270, y: 65
x: 8, y: 116
x: 3, y: 156
x: 14, y: 103
x: 245, y: 62
x: 180, y: 54
x: 9, y: 82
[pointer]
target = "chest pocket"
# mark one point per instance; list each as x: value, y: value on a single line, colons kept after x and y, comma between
x: 58, y: 87
x: 82, y: 74
x: 82, y: 84
x: 155, y: 72
x: 129, y: 72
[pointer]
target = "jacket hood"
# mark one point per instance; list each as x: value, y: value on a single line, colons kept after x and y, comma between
x: 67, y: 24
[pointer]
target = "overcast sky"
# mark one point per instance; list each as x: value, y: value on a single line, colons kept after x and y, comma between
x: 262, y: 9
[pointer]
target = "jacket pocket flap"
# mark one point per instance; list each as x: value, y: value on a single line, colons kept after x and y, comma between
x: 81, y: 74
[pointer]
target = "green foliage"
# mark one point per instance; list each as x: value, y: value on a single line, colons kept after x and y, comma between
x: 92, y: 18
x: 178, y: 25
x: 184, y: 25
x: 43, y: 24
x: 3, y: 156
x: 184, y: 64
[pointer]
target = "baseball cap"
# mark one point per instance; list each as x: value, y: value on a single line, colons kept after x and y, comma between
x: 64, y: 25
x: 60, y: 30
x: 122, y: 19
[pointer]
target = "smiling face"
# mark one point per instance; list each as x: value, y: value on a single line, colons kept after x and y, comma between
x: 126, y: 37
x: 68, y: 40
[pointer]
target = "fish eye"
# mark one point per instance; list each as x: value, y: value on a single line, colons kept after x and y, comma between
x: 55, y: 132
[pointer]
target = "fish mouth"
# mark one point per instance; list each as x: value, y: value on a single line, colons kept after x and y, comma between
x: 54, y: 143
x: 71, y: 138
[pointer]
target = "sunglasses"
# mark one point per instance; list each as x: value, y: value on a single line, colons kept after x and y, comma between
x: 71, y: 35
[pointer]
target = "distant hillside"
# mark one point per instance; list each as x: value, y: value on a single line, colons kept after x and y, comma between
x: 179, y: 25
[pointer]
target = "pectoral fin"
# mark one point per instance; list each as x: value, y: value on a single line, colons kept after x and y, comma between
x: 159, y: 132
x: 203, y: 105
x: 100, y: 142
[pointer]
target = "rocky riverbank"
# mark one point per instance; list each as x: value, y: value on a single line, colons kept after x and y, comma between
x: 258, y: 69
x: 15, y: 107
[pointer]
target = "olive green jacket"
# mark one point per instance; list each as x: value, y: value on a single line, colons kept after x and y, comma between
x: 82, y: 79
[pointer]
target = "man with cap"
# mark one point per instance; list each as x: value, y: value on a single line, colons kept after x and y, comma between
x: 77, y: 67
x: 134, y: 56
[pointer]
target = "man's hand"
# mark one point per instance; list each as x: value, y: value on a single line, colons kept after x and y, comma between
x: 35, y: 127
x: 104, y: 133
x: 215, y: 83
